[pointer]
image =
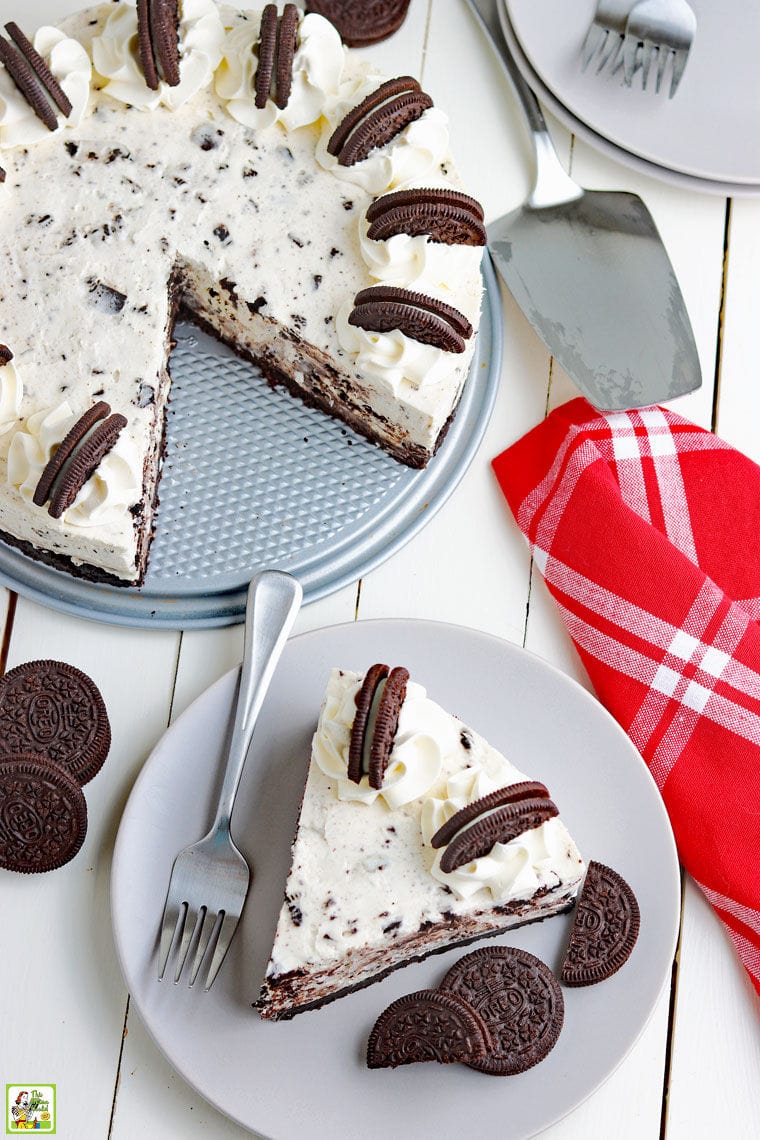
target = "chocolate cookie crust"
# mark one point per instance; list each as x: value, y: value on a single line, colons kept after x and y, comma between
x: 43, y: 814
x: 54, y: 709
x: 428, y: 1025
x: 520, y: 1001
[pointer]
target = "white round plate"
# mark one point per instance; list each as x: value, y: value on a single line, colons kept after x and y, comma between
x: 307, y: 1077
x: 705, y: 131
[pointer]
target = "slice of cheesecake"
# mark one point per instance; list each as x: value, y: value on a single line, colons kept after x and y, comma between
x: 393, y: 793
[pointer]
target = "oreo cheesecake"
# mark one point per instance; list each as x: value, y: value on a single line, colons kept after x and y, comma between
x: 246, y: 167
x: 414, y: 835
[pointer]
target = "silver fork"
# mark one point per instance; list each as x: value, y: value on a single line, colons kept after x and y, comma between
x: 209, y: 879
x: 664, y: 27
x: 604, y: 39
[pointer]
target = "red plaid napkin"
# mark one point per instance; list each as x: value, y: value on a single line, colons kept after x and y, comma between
x: 647, y: 531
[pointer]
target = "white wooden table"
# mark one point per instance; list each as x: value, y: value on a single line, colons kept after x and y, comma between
x: 64, y: 1009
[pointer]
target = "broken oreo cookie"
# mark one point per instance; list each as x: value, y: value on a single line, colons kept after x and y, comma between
x: 605, y: 928
x: 518, y: 998
x: 360, y: 24
x: 43, y: 814
x: 429, y: 1025
x: 55, y: 710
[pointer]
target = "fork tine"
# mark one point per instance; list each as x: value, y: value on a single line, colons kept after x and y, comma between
x: 204, y: 938
x: 226, y: 931
x: 168, y: 928
x: 630, y: 50
x: 648, y: 51
x: 610, y: 48
x: 662, y: 63
x: 189, y: 925
x: 680, y: 60
x: 591, y: 44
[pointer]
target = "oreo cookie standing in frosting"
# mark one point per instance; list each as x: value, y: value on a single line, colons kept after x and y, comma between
x: 363, y: 23
x: 77, y: 457
x: 40, y: 68
x: 445, y: 216
x: 52, y: 708
x: 518, y: 998
x: 429, y: 1025
x: 278, y: 37
x: 509, y: 794
x: 605, y: 928
x: 500, y: 826
x: 377, y: 120
x: 389, y: 708
x: 158, y: 41
x: 22, y: 72
x: 363, y: 700
x: 383, y: 308
x: 43, y: 814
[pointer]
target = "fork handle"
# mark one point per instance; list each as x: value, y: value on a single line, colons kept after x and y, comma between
x: 552, y: 185
x: 274, y: 599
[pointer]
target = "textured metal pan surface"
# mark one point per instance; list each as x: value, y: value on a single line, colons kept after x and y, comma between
x: 253, y: 478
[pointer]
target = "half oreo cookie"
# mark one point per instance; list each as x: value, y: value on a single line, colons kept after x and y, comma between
x: 429, y: 1025
x: 605, y: 928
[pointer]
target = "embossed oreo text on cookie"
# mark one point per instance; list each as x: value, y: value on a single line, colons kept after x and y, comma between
x: 604, y: 930
x: 429, y: 1025
x: 52, y: 708
x: 43, y: 814
x: 520, y: 1001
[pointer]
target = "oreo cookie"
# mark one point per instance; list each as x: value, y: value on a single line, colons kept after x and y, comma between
x: 53, y: 709
x: 65, y: 449
x: 262, y: 80
x: 445, y: 216
x: 363, y: 700
x: 429, y: 1025
x: 287, y: 36
x: 23, y: 75
x: 158, y: 41
x: 387, y: 90
x: 386, y: 724
x: 501, y: 826
x: 84, y: 463
x: 6, y: 356
x: 40, y: 68
x: 518, y: 998
x: 43, y: 814
x: 509, y: 794
x: 605, y: 928
x: 363, y: 23
x: 382, y: 125
x: 145, y: 44
x: 2, y: 176
x: 383, y: 308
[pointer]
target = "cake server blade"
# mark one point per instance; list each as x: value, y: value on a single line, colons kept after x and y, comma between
x: 590, y: 271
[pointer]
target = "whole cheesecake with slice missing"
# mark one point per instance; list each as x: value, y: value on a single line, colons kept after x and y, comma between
x: 212, y: 171
x: 415, y: 835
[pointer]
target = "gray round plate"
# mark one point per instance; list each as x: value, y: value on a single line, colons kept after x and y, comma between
x: 253, y: 478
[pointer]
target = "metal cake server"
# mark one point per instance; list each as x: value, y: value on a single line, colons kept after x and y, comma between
x: 589, y: 270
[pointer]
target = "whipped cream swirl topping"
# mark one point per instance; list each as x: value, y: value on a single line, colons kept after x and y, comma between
x: 116, y: 54
x: 416, y: 154
x: 11, y: 394
x: 513, y: 870
x: 70, y: 64
x: 317, y: 69
x: 424, y: 734
x: 114, y: 487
